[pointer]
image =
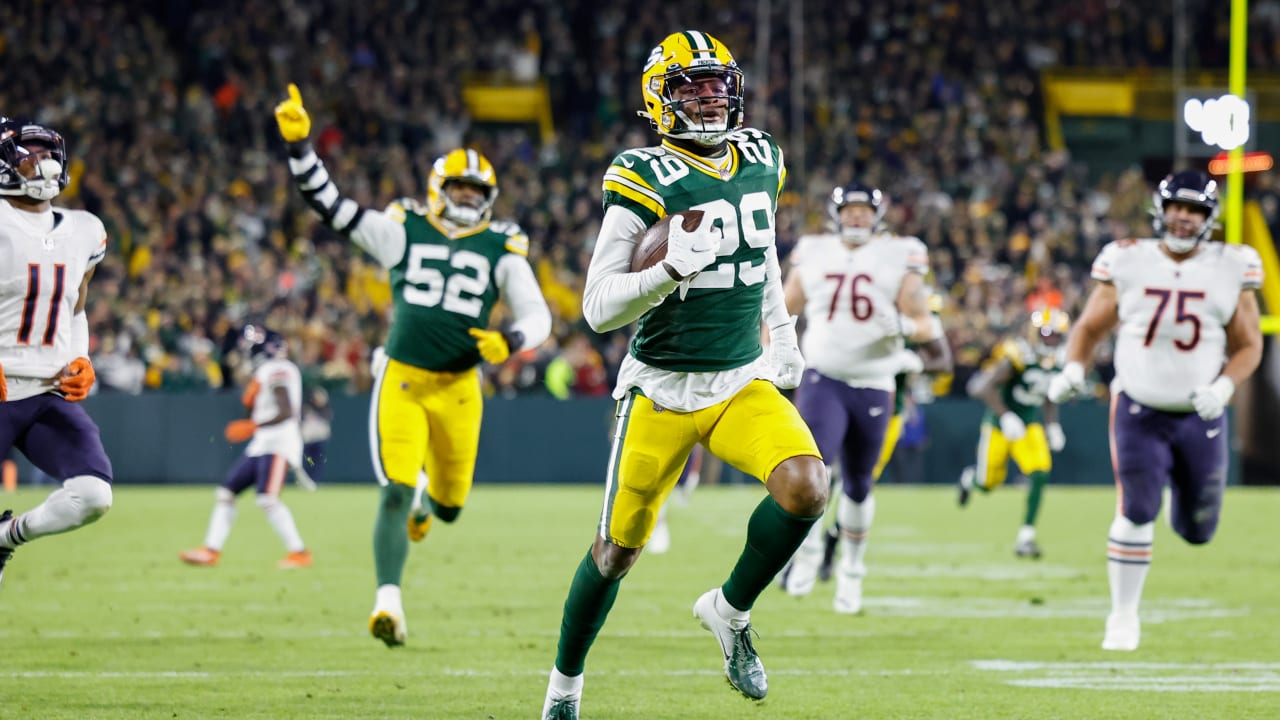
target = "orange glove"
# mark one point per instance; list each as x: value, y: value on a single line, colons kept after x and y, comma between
x: 250, y: 393
x: 4, y: 386
x: 240, y: 430
x: 76, y: 379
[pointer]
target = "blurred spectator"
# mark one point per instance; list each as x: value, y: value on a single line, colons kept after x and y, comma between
x: 168, y: 119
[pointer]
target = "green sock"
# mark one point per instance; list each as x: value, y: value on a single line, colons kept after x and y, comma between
x: 773, y: 535
x: 1037, y: 482
x: 590, y: 599
x: 391, y: 533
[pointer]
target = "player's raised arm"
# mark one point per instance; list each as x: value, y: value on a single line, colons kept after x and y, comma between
x: 381, y: 235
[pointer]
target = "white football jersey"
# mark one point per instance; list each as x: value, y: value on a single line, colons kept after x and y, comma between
x: 851, y: 297
x: 1173, y: 315
x: 283, y: 438
x: 43, y: 259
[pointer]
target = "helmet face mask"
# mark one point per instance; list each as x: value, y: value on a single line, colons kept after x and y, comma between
x: 462, y: 167
x: 33, y: 161
x: 689, y: 76
x: 856, y: 193
x: 1179, y: 195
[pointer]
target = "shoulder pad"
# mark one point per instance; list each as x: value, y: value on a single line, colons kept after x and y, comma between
x: 516, y: 241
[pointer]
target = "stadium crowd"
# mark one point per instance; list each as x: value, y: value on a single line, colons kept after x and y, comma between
x: 167, y: 113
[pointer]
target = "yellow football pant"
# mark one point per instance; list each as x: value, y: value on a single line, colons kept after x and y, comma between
x: 422, y: 421
x: 754, y: 431
x: 1030, y: 454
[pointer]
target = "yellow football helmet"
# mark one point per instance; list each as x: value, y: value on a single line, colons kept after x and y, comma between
x: 1046, y: 328
x: 461, y: 165
x: 682, y: 58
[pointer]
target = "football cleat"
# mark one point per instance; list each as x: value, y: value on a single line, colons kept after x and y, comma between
x: 419, y: 523
x: 295, y: 560
x: 660, y: 541
x: 389, y: 627
x: 829, y: 553
x: 742, y: 666
x: 848, y: 599
x: 965, y: 485
x: 1123, y: 632
x: 5, y: 553
x: 200, y: 556
x: 1027, y: 549
x: 561, y: 708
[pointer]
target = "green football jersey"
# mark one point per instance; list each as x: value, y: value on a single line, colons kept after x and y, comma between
x: 716, y: 326
x: 1025, y: 393
x: 442, y: 287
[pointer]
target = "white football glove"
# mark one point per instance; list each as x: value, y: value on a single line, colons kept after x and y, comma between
x: 1066, y: 384
x: 1012, y: 427
x: 688, y: 253
x: 1056, y: 437
x: 909, y: 362
x: 784, y: 356
x: 1211, y: 400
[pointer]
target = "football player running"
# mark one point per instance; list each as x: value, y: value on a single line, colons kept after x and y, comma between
x: 696, y: 372
x: 450, y: 264
x: 1019, y: 423
x: 48, y: 255
x: 273, y: 428
x: 1187, y: 334
x: 863, y: 294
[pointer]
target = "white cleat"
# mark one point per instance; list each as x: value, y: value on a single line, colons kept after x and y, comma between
x: 1123, y: 632
x: 388, y: 625
x: 660, y: 540
x: 848, y: 600
x: 802, y: 575
x: 561, y: 707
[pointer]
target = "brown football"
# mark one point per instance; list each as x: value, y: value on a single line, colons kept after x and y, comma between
x: 651, y: 247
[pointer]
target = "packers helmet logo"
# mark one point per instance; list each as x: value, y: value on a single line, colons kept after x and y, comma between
x: 692, y: 88
x: 469, y: 167
x: 1046, y: 328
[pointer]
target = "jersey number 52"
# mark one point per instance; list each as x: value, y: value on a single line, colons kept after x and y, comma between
x: 459, y: 293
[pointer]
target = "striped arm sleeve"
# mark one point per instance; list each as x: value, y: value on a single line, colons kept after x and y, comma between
x: 341, y: 214
x: 380, y: 234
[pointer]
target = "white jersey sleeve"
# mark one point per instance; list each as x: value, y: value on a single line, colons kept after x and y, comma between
x: 43, y: 259
x: 1173, y: 316
x: 283, y: 438
x: 851, y: 296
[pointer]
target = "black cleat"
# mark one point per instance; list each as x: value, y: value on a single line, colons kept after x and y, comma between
x: 5, y: 553
x: 829, y: 553
x: 965, y: 485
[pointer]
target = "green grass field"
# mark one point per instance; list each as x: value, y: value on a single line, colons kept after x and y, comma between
x: 106, y: 623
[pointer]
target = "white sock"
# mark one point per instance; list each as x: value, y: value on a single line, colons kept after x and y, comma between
x: 1128, y: 560
x: 1026, y: 533
x: 282, y: 522
x: 221, y: 519
x: 562, y: 685
x: 388, y: 597
x: 80, y: 501
x: 729, y: 612
x: 855, y: 525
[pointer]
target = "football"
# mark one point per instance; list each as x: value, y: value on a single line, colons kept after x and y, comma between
x: 651, y: 247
